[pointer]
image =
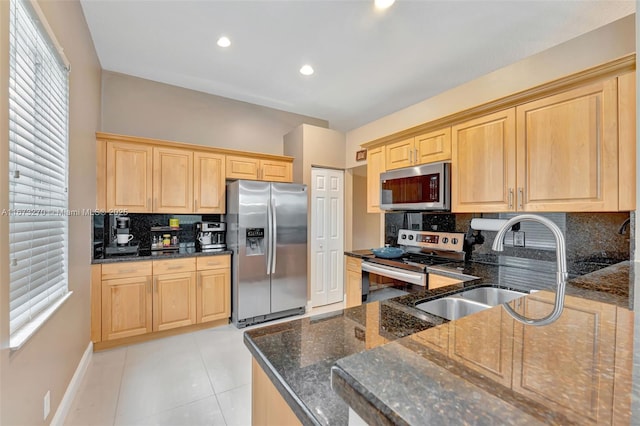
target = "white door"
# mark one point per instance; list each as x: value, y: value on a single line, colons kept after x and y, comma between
x: 327, y: 236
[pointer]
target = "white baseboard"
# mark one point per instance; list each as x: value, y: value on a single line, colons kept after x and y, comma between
x: 72, y: 389
x: 309, y: 306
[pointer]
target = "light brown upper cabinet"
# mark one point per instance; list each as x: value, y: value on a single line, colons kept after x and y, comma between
x: 245, y: 167
x: 567, y: 147
x: 422, y: 149
x: 208, y: 182
x: 375, y: 166
x: 129, y: 176
x: 172, y: 180
x: 627, y: 141
x: 483, y: 177
x: 558, y: 153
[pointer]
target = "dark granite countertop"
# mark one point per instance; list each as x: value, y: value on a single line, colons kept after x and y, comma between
x: 156, y: 255
x: 394, y: 365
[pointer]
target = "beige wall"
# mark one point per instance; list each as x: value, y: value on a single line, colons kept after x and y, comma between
x: 49, y: 359
x: 596, y: 47
x: 138, y: 107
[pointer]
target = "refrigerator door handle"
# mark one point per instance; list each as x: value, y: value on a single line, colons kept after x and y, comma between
x: 270, y: 237
x: 274, y: 240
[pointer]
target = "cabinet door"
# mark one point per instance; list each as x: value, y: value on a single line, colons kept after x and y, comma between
x: 375, y: 166
x: 241, y: 167
x: 568, y: 151
x: 126, y: 307
x: 354, y: 281
x: 129, y: 176
x: 208, y: 182
x: 213, y: 295
x: 172, y: 180
x: 400, y: 154
x: 627, y: 141
x: 174, y: 300
x: 483, y: 162
x: 484, y: 342
x: 569, y: 369
x: 433, y: 146
x: 276, y: 171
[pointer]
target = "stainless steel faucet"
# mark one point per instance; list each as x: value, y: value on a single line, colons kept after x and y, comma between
x: 561, y: 273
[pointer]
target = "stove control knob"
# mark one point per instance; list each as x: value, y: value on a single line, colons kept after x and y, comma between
x: 445, y: 240
x: 410, y: 237
x: 404, y: 236
x: 454, y: 241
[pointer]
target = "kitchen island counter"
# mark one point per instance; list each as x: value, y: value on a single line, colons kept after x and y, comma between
x: 394, y: 366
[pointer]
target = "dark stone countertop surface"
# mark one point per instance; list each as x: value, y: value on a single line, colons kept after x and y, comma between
x: 381, y: 358
x: 156, y: 255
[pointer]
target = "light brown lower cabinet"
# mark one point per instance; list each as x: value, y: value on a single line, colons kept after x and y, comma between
x: 437, y: 281
x: 139, y: 298
x: 574, y: 370
x: 353, y: 268
x: 126, y: 307
x: 268, y: 407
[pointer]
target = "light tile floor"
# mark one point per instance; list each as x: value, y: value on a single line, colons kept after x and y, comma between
x: 199, y: 378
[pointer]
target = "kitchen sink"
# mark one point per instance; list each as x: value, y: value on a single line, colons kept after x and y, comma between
x: 468, y: 302
x: 490, y: 295
x: 451, y: 308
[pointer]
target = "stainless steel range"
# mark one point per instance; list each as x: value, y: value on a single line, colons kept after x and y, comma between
x: 409, y: 272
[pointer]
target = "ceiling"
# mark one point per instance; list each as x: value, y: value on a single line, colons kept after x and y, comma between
x: 368, y: 63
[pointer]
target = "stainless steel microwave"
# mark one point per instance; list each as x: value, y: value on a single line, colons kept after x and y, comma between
x: 425, y: 187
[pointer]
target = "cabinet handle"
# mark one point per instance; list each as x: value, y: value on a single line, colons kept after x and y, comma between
x: 416, y: 155
x: 174, y: 267
x: 195, y: 204
x: 126, y: 271
x: 148, y: 203
x: 411, y: 157
x: 510, y: 198
x: 520, y: 198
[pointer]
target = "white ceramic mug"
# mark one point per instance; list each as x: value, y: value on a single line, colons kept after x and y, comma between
x: 204, y: 239
x: 124, y: 238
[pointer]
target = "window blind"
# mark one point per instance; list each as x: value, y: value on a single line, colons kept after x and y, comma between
x: 38, y: 139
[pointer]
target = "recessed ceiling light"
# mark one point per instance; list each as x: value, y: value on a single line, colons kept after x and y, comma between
x: 224, y: 41
x: 306, y: 70
x: 383, y: 4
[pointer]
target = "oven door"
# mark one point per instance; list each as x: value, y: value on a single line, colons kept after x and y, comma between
x: 425, y: 187
x: 380, y: 282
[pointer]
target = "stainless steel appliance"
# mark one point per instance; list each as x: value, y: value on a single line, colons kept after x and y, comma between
x: 410, y: 272
x: 210, y: 236
x: 426, y: 187
x: 267, y: 231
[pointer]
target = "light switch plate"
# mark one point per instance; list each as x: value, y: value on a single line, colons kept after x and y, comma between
x: 518, y: 238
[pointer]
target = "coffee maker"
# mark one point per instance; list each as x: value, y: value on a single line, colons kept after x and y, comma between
x: 122, y: 239
x: 210, y: 236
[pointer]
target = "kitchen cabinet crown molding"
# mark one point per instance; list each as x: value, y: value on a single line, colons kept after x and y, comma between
x: 600, y: 72
x: 183, y: 145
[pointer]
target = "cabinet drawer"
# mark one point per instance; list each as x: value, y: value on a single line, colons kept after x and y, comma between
x: 354, y: 263
x: 125, y: 270
x: 170, y: 266
x: 213, y: 262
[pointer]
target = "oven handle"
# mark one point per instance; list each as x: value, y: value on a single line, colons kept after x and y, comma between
x: 416, y: 278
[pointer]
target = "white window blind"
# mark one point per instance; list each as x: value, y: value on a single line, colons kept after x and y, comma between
x: 38, y: 139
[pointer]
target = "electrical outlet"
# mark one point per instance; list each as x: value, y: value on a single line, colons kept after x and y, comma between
x: 47, y: 404
x: 518, y: 238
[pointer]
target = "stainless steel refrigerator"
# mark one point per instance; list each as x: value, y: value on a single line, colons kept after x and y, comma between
x: 267, y: 231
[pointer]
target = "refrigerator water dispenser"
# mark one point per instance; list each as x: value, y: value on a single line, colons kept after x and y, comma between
x: 255, y: 242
